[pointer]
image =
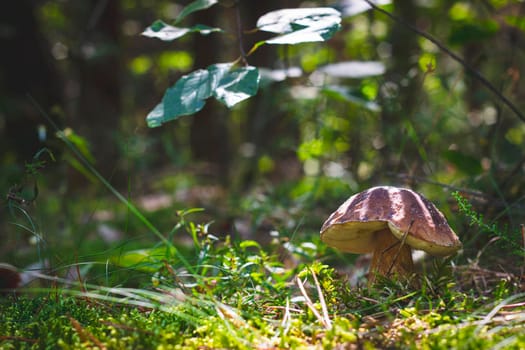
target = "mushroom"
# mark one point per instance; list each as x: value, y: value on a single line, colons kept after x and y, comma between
x: 388, y: 222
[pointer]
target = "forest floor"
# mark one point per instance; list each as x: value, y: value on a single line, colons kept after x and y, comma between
x: 244, y: 297
x: 252, y: 302
x: 267, y: 283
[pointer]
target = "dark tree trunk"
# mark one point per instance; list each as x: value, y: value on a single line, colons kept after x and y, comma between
x: 96, y: 113
x: 209, y: 136
x: 400, y: 91
x: 26, y: 69
x: 266, y: 122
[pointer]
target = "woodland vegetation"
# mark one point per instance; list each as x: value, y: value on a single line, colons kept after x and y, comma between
x: 167, y: 167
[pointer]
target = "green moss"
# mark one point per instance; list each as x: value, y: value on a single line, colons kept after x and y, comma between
x: 243, y: 296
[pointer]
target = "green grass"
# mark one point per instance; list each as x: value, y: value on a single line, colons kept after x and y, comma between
x: 242, y: 296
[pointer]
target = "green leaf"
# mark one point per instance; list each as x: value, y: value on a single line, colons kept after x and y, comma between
x: 354, y: 69
x: 463, y: 162
x: 468, y: 32
x: 79, y: 142
x: 352, y: 7
x: 516, y: 21
x: 147, y: 260
x: 343, y: 93
x: 227, y: 84
x: 237, y: 86
x: 166, y: 32
x: 186, y: 97
x: 312, y: 149
x: 269, y: 76
x: 245, y: 245
x: 300, y: 25
x: 204, y: 29
x: 156, y: 116
x: 195, y: 6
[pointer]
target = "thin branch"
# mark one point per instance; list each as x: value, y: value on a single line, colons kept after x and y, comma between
x: 99, y: 9
x: 422, y: 179
x: 310, y: 304
x: 239, y: 31
x: 403, y: 240
x: 322, y: 301
x: 523, y: 241
x: 455, y: 56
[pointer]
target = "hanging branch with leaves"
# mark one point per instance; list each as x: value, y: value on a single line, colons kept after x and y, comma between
x: 233, y: 82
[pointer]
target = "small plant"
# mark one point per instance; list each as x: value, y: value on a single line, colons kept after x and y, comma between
x: 19, y: 194
x: 513, y: 240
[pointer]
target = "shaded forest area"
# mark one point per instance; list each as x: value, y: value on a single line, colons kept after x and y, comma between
x: 385, y: 101
x: 213, y: 218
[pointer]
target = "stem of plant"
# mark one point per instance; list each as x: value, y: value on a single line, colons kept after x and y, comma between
x: 117, y: 194
x: 239, y: 31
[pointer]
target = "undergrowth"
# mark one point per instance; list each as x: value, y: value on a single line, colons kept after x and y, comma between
x: 244, y: 296
x: 226, y: 293
x: 512, y: 240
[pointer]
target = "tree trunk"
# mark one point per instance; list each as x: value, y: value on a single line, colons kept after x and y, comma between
x: 209, y: 136
x: 26, y: 69
x: 400, y: 91
x: 97, y: 111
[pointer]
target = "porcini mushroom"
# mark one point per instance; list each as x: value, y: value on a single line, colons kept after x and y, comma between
x: 388, y: 222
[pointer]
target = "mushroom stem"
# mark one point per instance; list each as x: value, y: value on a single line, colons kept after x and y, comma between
x: 390, y: 258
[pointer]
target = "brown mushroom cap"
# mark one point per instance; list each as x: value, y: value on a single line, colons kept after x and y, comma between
x: 352, y: 227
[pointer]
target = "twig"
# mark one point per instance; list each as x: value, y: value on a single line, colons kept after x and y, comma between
x: 512, y: 306
x: 309, y: 303
x: 16, y: 338
x: 286, y: 324
x: 454, y: 56
x: 523, y: 241
x: 402, y: 244
x: 422, y: 179
x: 240, y: 31
x: 488, y: 318
x: 326, y: 316
x: 85, y: 335
x: 498, y: 320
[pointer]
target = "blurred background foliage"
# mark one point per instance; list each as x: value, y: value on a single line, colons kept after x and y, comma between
x: 280, y: 161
